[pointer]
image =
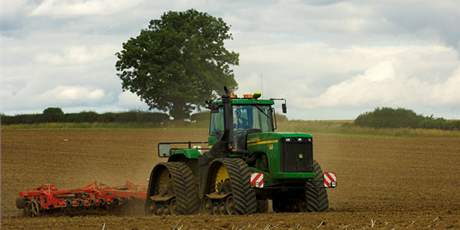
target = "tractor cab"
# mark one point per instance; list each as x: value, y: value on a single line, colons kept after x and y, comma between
x: 249, y: 115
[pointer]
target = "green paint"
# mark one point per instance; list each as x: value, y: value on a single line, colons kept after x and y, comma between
x: 188, y: 153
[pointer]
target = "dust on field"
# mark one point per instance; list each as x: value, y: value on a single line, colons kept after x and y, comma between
x: 382, y: 181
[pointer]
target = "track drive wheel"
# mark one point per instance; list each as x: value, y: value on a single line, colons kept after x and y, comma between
x: 230, y: 185
x: 172, y: 190
x: 316, y: 199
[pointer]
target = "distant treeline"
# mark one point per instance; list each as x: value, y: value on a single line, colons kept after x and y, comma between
x: 57, y: 115
x: 403, y: 118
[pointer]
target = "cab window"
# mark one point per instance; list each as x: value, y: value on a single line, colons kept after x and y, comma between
x: 253, y: 117
x: 216, y: 127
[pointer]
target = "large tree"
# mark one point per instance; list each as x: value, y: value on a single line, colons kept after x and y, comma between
x: 178, y: 62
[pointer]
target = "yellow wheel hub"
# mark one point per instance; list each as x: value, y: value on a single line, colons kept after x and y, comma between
x: 221, y: 177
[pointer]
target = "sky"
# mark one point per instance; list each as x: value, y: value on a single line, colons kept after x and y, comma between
x: 330, y: 59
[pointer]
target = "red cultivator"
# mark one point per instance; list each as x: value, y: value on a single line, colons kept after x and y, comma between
x: 95, y: 196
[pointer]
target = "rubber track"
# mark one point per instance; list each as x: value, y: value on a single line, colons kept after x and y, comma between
x: 185, y: 189
x: 243, y: 195
x: 315, y: 194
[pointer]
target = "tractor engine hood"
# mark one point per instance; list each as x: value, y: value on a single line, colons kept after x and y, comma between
x: 288, y: 153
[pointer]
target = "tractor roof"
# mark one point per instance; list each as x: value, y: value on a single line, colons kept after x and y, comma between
x: 246, y: 101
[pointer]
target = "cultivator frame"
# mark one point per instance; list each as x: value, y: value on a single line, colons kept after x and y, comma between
x: 95, y: 196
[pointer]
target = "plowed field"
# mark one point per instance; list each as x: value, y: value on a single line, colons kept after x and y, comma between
x: 383, y: 182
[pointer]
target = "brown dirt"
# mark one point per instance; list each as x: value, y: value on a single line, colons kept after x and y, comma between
x: 392, y: 182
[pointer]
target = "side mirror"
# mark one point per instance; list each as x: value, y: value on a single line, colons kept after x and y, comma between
x: 164, y: 150
x: 283, y: 106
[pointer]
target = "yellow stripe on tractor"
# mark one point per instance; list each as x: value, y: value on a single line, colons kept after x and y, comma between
x: 263, y: 142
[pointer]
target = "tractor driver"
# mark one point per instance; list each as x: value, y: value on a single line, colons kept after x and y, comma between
x: 240, y: 117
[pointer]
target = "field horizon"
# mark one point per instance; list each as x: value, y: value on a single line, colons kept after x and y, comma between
x: 345, y: 127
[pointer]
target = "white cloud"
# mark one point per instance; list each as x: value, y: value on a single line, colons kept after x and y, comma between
x: 9, y: 7
x: 448, y: 92
x: 71, y: 8
x: 68, y: 94
x: 76, y: 55
x: 64, y: 96
x: 131, y: 101
x: 391, y: 83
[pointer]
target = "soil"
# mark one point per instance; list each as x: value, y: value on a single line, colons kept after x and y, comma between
x: 383, y: 182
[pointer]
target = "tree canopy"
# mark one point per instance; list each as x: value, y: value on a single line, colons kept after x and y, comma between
x: 403, y: 118
x: 53, y: 114
x: 178, y: 62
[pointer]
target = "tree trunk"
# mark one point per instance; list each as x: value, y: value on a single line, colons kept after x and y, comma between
x: 179, y: 111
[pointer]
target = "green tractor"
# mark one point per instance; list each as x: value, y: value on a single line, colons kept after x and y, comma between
x: 244, y: 164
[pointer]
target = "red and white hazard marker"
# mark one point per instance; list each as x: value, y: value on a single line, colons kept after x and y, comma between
x: 257, y: 180
x: 330, y: 180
